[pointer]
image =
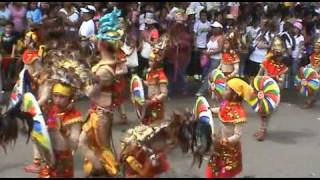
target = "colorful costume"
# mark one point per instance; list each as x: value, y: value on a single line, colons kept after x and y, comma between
x: 155, y: 111
x: 157, y: 82
x: 64, y: 123
x: 227, y: 162
x: 64, y: 158
x: 230, y: 59
x: 96, y: 137
x: 274, y: 65
x: 31, y: 78
x: 315, y: 65
x: 139, y: 159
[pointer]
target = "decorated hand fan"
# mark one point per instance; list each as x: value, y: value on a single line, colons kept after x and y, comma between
x: 203, y: 113
x: 217, y: 82
x: 137, y: 94
x: 307, y: 81
x: 267, y: 95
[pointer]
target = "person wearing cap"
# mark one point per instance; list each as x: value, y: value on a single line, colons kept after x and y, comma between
x: 96, y: 141
x: 298, y: 51
x: 64, y: 126
x: 148, y: 37
x: 191, y: 18
x: 227, y: 159
x: 213, y: 52
x: 87, y: 28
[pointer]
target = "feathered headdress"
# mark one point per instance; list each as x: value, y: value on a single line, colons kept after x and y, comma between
x: 72, y: 73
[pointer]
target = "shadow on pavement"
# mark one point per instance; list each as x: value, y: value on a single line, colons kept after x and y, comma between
x: 288, y: 137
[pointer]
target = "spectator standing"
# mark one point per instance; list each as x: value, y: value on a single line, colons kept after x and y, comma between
x: 87, y: 28
x: 214, y: 49
x: 298, y: 51
x: 201, y: 29
x: 34, y: 15
x: 18, y: 13
x: 71, y: 20
x: 4, y: 15
x: 148, y: 37
x: 260, y: 47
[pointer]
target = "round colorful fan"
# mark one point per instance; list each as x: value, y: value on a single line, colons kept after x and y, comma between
x: 217, y: 82
x: 307, y: 81
x: 203, y: 113
x: 137, y: 94
x: 267, y: 95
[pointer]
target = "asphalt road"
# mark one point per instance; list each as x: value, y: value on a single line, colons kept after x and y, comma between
x: 290, y: 150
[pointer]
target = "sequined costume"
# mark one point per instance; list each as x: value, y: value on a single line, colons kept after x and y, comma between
x: 273, y: 65
x: 64, y: 158
x: 230, y: 58
x: 139, y: 159
x: 227, y: 162
x: 155, y: 111
x: 157, y: 83
x: 96, y: 136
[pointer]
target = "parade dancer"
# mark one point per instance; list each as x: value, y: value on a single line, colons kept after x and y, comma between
x: 64, y: 126
x: 35, y: 71
x: 157, y: 84
x: 96, y: 136
x: 274, y: 63
x: 64, y: 129
x: 226, y: 161
x: 230, y: 58
x: 315, y: 64
x: 272, y: 66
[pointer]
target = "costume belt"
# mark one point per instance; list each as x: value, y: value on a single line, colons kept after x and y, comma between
x: 104, y: 110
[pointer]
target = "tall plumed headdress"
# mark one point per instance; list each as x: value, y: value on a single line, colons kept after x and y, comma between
x: 71, y: 73
x: 109, y: 27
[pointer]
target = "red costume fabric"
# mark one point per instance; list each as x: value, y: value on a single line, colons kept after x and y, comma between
x: 29, y: 56
x: 230, y: 58
x: 232, y: 112
x: 274, y: 68
x: 66, y: 118
x: 156, y: 76
x: 142, y: 157
x: 228, y: 161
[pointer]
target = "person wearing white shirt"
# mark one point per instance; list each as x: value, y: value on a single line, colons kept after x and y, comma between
x: 298, y: 51
x: 201, y: 29
x: 71, y: 19
x: 260, y: 45
x: 87, y: 28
